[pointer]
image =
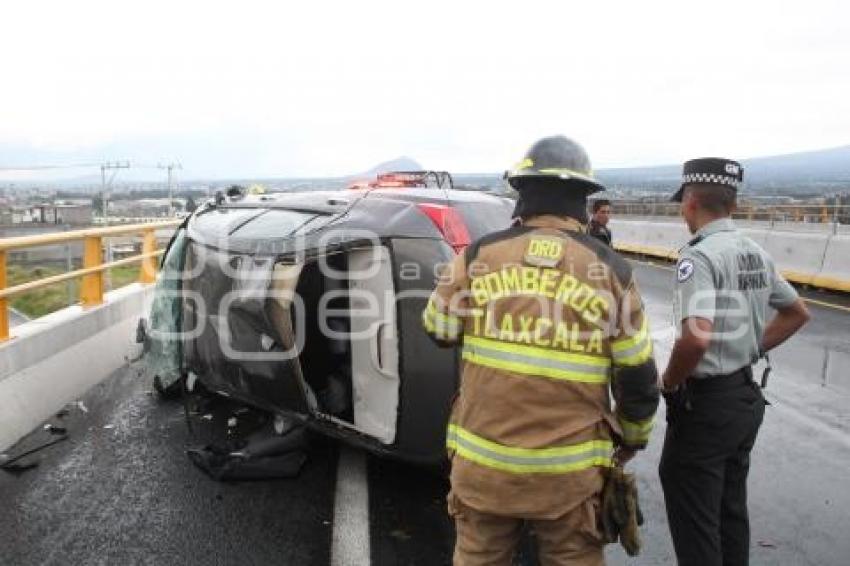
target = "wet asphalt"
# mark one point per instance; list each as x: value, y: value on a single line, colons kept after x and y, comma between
x: 120, y: 489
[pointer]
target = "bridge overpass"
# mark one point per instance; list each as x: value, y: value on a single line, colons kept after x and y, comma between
x: 121, y: 490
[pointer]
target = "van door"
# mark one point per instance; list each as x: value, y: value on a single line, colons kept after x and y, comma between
x: 374, y: 343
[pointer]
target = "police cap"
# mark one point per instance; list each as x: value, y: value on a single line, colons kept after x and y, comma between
x: 710, y: 171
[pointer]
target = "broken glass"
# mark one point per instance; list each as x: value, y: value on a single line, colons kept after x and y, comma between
x: 163, y: 343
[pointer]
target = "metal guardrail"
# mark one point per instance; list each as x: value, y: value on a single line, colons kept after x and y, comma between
x: 92, y: 287
x: 807, y: 213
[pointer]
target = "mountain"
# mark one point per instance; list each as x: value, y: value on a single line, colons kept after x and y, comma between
x: 822, y: 171
x: 403, y: 163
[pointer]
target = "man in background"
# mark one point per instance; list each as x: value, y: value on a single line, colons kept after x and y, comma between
x: 598, y: 227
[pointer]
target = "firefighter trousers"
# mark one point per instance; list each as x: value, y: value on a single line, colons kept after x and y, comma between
x: 704, y: 465
x: 485, y: 539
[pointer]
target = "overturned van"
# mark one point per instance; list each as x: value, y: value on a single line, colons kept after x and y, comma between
x: 308, y: 305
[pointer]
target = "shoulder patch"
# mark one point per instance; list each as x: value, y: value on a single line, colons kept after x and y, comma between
x: 684, y: 269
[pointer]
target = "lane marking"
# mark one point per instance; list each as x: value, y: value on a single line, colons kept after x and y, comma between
x: 826, y: 304
x: 805, y: 299
x: 350, y: 545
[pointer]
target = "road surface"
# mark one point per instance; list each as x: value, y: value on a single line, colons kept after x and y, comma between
x: 121, y: 489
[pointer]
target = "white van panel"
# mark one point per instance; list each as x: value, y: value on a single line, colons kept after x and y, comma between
x: 374, y: 343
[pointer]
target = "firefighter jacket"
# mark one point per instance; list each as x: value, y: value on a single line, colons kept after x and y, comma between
x: 550, y: 326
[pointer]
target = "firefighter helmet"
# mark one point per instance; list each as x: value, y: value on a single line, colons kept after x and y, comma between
x: 557, y: 158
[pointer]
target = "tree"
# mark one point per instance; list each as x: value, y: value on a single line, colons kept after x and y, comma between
x: 97, y: 204
x: 191, y: 205
x: 235, y: 190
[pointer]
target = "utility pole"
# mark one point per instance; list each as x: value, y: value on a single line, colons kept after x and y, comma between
x: 104, y: 188
x: 170, y: 167
x: 105, y: 203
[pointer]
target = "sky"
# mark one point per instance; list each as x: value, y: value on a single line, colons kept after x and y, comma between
x: 329, y: 88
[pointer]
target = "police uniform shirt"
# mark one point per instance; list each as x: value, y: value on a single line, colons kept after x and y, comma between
x: 725, y: 277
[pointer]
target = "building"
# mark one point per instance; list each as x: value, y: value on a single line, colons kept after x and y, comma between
x: 75, y: 214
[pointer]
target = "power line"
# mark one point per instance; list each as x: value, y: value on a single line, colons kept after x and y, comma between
x: 85, y: 165
x: 44, y: 167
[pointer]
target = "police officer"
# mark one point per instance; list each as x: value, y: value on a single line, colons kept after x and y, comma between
x: 598, y: 227
x: 549, y: 319
x: 725, y: 283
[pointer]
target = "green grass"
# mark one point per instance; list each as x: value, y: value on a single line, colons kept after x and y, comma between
x: 124, y: 275
x: 58, y: 296
x: 40, y: 301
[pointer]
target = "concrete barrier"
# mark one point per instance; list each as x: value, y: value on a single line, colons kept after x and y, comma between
x: 798, y: 255
x: 818, y: 258
x: 758, y: 235
x: 667, y: 238
x: 55, y: 359
x: 835, y: 273
x: 645, y: 237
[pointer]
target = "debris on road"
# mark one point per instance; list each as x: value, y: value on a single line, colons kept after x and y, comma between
x: 17, y: 463
x: 223, y: 466
x: 53, y: 429
x: 260, y: 456
x: 16, y: 468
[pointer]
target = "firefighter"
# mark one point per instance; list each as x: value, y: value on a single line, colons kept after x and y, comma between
x: 725, y: 283
x: 598, y: 227
x: 549, y: 320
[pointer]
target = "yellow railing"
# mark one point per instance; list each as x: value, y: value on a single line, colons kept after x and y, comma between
x: 92, y: 286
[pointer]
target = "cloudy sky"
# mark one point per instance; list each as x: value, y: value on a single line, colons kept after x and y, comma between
x: 323, y: 88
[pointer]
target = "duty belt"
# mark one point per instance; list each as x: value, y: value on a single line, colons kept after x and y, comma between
x: 714, y: 383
